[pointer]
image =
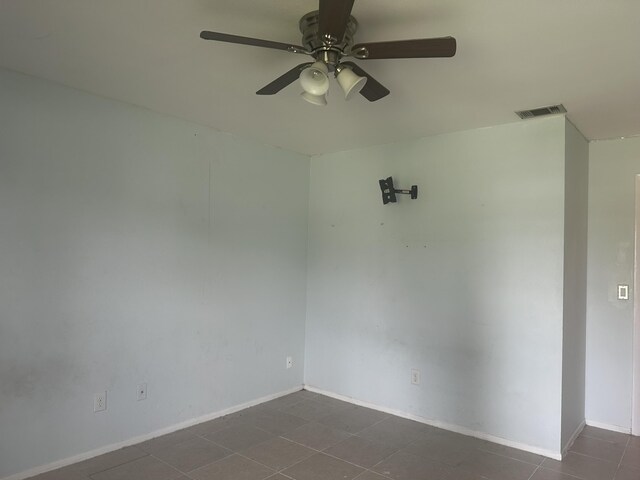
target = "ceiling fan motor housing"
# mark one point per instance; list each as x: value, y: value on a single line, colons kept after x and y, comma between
x: 324, y: 49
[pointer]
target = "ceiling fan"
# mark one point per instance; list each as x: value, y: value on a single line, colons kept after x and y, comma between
x: 327, y: 36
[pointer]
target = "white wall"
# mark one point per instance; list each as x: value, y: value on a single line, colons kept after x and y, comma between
x: 136, y: 247
x: 613, y: 166
x: 575, y: 282
x: 465, y: 283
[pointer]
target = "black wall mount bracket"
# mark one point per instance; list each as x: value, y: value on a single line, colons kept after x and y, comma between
x: 389, y: 192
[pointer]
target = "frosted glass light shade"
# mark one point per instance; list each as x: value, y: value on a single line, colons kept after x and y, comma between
x: 315, y: 79
x: 315, y: 99
x: 350, y: 82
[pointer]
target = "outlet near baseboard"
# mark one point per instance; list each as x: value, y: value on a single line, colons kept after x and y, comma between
x: 100, y: 402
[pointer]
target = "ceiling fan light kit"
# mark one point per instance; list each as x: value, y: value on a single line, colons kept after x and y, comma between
x: 349, y: 81
x: 314, y: 79
x: 320, y: 100
x: 328, y: 37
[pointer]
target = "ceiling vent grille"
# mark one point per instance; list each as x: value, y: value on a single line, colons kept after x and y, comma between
x: 542, y: 111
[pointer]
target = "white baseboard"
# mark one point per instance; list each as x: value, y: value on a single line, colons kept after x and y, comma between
x: 575, y: 435
x: 606, y: 426
x: 445, y: 426
x: 147, y: 436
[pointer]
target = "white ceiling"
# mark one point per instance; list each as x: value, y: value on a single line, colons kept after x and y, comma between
x: 512, y: 55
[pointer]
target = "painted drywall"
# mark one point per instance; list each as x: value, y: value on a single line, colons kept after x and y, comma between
x: 465, y: 283
x: 613, y: 166
x: 575, y: 282
x: 136, y: 247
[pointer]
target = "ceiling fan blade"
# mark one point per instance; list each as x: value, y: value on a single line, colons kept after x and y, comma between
x: 419, y: 48
x: 333, y: 18
x: 372, y: 90
x: 256, y: 42
x: 283, y: 80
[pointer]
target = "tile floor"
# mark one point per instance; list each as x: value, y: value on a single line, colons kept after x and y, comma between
x: 305, y: 436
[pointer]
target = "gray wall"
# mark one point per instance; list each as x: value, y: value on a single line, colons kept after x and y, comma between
x: 465, y: 283
x: 134, y: 248
x: 575, y: 282
x: 613, y: 166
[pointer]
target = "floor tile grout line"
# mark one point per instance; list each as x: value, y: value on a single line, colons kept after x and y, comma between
x: 512, y: 458
x: 172, y: 466
x: 602, y: 439
x: 534, y: 472
x: 591, y: 456
x: 88, y: 475
x: 626, y: 447
x: 365, y: 469
x: 274, y: 471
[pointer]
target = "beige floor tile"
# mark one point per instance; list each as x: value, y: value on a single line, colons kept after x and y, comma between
x: 606, y: 435
x: 396, y: 431
x: 458, y: 473
x: 233, y: 467
x: 191, y: 454
x: 277, y: 422
x: 322, y: 467
x: 306, y: 395
x: 81, y: 470
x: 582, y: 466
x: 164, y: 441
x: 145, y: 468
x: 496, y: 467
x: 109, y: 460
x: 64, y: 473
x: 597, y: 448
x: 316, y: 436
x: 448, y: 448
x: 278, y: 453
x: 405, y: 466
x: 287, y: 400
x: 239, y: 437
x: 627, y: 473
x: 362, y: 452
x: 311, y: 410
x: 334, y: 402
x: 631, y: 457
x: 546, y: 474
x: 353, y: 420
x: 514, y: 453
x: 369, y: 475
x: 205, y: 428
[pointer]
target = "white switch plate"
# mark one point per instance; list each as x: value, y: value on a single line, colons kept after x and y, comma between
x: 289, y: 362
x: 415, y: 376
x: 623, y: 292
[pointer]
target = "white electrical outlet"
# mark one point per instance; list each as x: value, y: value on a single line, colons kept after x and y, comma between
x: 289, y: 362
x: 415, y: 376
x: 142, y: 391
x: 100, y: 402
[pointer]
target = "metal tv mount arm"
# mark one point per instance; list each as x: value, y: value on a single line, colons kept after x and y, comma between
x: 389, y: 192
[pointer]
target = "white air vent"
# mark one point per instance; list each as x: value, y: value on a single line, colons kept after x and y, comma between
x: 540, y: 112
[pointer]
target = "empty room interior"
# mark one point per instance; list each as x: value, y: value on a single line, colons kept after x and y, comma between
x: 319, y: 240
